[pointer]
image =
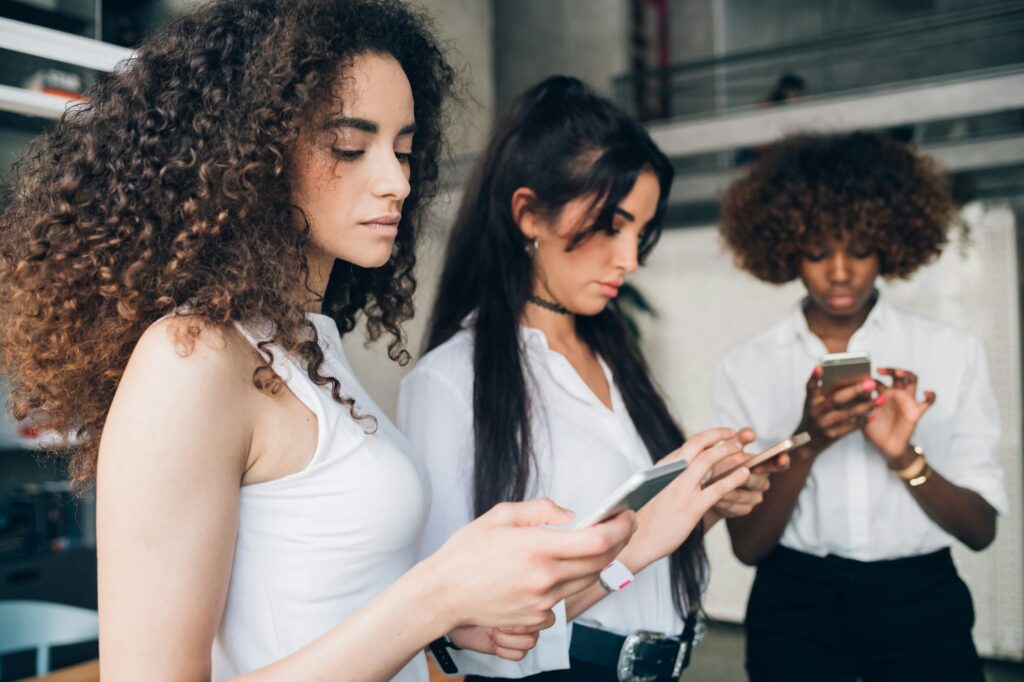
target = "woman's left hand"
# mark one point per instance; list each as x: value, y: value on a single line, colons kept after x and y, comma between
x: 891, y: 426
x: 509, y: 643
x: 742, y: 500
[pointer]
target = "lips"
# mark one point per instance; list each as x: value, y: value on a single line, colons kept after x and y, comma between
x: 384, y: 224
x: 841, y: 300
x: 610, y: 289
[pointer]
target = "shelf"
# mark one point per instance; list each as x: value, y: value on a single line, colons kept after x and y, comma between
x: 66, y: 48
x: 32, y: 103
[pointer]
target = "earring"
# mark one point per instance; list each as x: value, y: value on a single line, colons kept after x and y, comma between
x: 535, y: 244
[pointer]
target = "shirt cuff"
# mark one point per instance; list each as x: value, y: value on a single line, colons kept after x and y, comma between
x: 550, y: 653
x: 990, y: 489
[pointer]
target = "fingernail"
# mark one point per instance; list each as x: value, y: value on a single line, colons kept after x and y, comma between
x: 817, y: 372
x: 870, y: 417
x: 868, y: 385
x: 880, y: 400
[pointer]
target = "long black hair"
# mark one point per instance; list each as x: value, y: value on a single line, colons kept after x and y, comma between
x: 564, y: 142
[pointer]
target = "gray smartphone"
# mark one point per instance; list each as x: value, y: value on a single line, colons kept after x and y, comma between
x: 843, y: 369
x: 635, y: 492
x: 795, y: 441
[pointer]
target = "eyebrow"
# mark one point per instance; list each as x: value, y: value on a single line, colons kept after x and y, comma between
x: 366, y: 126
x: 625, y: 214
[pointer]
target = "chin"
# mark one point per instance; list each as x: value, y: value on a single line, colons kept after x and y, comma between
x: 371, y: 257
x: 590, y: 308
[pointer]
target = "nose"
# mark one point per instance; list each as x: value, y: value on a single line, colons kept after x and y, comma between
x: 626, y: 253
x: 838, y: 267
x: 390, y: 178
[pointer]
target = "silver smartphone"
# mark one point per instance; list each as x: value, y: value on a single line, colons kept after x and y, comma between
x: 795, y: 441
x: 843, y: 369
x: 635, y: 492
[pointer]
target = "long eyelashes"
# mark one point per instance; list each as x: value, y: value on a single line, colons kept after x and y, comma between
x: 354, y: 154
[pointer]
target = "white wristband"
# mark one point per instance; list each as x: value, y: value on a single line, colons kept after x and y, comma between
x: 615, y: 576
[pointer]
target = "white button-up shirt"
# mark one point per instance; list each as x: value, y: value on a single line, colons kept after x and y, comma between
x: 851, y: 504
x: 583, y: 452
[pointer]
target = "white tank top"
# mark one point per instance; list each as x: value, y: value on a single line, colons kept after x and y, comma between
x: 316, y: 545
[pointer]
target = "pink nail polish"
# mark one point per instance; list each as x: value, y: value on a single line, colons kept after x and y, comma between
x: 870, y: 417
x: 868, y: 385
x: 880, y: 400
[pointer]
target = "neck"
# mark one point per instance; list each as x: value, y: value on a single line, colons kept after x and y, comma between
x: 559, y: 328
x: 836, y: 331
x: 320, y: 265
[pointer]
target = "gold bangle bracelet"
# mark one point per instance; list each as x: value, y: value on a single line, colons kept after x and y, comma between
x: 920, y: 480
x: 914, y: 469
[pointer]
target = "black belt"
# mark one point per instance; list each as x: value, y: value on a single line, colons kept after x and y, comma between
x: 642, y: 656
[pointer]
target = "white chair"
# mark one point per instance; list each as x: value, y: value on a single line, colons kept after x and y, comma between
x: 40, y: 625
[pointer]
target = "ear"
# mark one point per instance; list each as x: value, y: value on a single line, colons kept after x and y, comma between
x: 524, y: 200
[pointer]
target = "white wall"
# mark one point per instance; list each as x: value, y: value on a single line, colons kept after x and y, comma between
x: 706, y: 306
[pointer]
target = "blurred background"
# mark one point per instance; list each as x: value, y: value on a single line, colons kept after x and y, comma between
x: 716, y: 81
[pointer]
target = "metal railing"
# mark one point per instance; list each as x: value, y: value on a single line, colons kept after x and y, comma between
x: 941, y: 44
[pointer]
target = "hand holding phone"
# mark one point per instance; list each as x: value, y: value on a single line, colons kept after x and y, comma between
x: 635, y: 491
x: 844, y: 369
x: 786, y: 445
x: 665, y: 522
x: 840, y: 398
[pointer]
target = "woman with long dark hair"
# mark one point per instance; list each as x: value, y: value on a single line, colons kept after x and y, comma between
x: 534, y: 385
x: 852, y: 544
x: 180, y: 258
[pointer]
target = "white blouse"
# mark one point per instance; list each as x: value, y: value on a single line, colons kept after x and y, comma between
x: 583, y: 451
x: 852, y: 505
x: 315, y: 546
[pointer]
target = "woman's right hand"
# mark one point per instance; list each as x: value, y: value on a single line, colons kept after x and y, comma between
x: 666, y: 521
x: 504, y: 571
x: 830, y: 415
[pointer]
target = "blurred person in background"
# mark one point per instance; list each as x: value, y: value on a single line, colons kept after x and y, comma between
x: 854, y: 574
x: 534, y: 385
x: 180, y: 258
x: 788, y: 88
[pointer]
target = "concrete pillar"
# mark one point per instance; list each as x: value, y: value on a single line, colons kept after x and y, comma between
x: 537, y: 38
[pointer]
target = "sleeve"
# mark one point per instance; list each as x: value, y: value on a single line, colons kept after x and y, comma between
x: 728, y: 408
x: 437, y: 419
x: 974, y: 447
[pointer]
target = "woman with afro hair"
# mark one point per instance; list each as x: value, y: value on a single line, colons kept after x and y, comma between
x: 181, y: 256
x: 854, y: 575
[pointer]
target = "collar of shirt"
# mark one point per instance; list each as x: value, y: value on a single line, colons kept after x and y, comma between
x: 535, y: 342
x: 880, y: 318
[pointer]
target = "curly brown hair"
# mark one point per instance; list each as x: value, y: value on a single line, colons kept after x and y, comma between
x: 872, y: 188
x: 168, y: 193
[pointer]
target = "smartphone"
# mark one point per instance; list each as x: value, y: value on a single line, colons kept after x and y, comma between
x: 635, y: 491
x: 802, y: 438
x: 843, y: 369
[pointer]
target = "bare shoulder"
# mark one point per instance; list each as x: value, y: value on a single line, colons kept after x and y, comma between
x: 186, y: 380
x: 193, y: 350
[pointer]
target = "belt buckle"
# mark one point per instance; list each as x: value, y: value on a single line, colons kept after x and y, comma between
x: 677, y: 667
x: 628, y: 655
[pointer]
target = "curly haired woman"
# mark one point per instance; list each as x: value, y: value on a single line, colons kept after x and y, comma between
x: 854, y: 575
x: 180, y: 259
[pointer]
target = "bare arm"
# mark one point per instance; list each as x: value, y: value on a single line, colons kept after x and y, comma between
x: 665, y: 522
x: 171, y: 460
x: 961, y: 512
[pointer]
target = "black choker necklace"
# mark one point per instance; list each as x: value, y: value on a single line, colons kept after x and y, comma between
x: 548, y: 305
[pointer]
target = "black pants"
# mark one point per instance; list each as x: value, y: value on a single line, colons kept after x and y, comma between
x: 579, y: 672
x: 835, y: 619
